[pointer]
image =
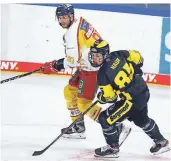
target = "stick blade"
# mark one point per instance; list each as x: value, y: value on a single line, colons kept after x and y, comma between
x: 36, y: 153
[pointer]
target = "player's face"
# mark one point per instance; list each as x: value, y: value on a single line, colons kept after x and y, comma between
x: 65, y: 21
x: 97, y: 58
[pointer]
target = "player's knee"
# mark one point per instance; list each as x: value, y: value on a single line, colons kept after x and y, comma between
x: 102, y: 119
x: 141, y: 122
x: 147, y: 125
x: 83, y: 104
x: 141, y: 119
x: 70, y: 92
x: 110, y: 132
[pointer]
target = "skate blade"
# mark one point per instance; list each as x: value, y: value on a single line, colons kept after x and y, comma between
x: 162, y: 150
x: 74, y: 136
x: 107, y: 156
x: 124, y: 135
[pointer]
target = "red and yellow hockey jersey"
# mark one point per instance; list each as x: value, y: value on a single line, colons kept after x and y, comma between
x: 77, y: 40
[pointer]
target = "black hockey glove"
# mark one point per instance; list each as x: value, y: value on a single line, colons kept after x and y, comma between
x: 101, y: 99
x: 138, y: 70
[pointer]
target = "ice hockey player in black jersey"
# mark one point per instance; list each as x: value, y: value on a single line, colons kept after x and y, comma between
x: 120, y: 76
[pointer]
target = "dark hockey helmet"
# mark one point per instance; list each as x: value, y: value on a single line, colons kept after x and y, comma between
x: 100, y: 48
x: 64, y: 9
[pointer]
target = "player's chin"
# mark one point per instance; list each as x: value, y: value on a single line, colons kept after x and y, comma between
x: 100, y: 62
x: 64, y: 26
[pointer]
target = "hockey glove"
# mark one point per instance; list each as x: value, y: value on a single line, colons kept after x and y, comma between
x: 138, y: 70
x: 53, y: 66
x: 100, y: 98
x: 103, y: 100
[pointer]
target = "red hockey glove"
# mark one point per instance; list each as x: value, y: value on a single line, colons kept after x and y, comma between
x: 53, y: 66
x: 49, y: 67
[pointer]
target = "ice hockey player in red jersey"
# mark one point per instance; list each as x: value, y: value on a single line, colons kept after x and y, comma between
x: 81, y: 89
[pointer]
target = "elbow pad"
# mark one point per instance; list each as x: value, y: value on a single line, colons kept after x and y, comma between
x: 135, y: 57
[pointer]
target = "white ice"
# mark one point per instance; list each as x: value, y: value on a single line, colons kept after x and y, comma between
x: 33, y: 112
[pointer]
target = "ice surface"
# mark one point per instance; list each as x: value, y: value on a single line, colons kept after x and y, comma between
x: 33, y: 112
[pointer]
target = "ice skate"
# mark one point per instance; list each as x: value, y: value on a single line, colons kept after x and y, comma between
x: 107, y: 152
x: 76, y: 132
x: 160, y: 146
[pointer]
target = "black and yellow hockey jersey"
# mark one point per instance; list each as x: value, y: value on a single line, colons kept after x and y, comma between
x: 117, y: 76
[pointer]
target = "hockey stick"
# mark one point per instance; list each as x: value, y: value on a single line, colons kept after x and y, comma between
x: 125, y: 137
x: 20, y: 76
x: 42, y: 151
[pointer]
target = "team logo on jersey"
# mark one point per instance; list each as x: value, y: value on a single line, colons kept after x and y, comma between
x: 119, y: 112
x: 84, y: 25
x: 165, y: 57
x: 81, y: 86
